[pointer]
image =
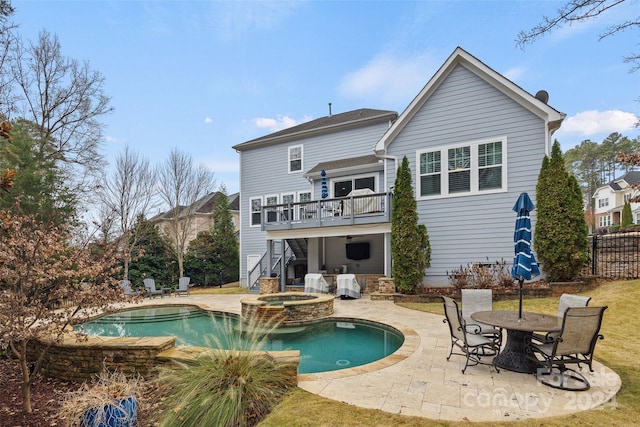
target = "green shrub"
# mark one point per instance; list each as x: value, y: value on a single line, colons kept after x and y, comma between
x: 560, y: 235
x: 614, y: 228
x: 235, y: 387
x: 410, y: 247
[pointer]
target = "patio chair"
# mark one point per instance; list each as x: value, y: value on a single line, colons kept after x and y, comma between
x: 574, y: 345
x: 468, y: 339
x: 473, y: 300
x: 150, y: 286
x: 125, y: 285
x: 566, y: 301
x: 183, y: 286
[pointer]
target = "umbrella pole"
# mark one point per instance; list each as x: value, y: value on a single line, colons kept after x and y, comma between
x: 520, y: 305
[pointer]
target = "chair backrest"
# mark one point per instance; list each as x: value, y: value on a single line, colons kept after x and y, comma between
x: 580, y: 331
x: 473, y: 300
x: 149, y: 283
x: 452, y: 314
x: 183, y: 283
x: 570, y: 300
x: 126, y: 286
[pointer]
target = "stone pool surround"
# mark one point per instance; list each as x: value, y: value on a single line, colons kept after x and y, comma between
x: 82, y: 359
x: 297, y: 307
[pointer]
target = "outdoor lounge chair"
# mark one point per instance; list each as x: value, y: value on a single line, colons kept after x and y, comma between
x: 466, y: 337
x: 125, y: 285
x: 150, y: 286
x: 566, y: 301
x: 183, y: 286
x: 473, y: 300
x: 574, y: 345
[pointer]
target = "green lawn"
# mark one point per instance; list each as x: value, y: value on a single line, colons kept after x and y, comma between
x: 619, y: 351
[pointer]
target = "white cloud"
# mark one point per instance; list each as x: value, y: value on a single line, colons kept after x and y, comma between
x: 594, y: 122
x: 515, y: 73
x: 279, y: 123
x: 208, y: 120
x: 389, y: 78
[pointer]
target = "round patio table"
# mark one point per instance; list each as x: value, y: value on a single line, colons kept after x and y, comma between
x: 519, y: 332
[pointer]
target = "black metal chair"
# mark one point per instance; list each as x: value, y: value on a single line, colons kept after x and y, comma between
x: 574, y: 345
x: 467, y: 337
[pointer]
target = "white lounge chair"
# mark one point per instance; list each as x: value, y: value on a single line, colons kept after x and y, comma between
x: 183, y: 286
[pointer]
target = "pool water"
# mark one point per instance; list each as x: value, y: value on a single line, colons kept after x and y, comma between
x: 327, y: 345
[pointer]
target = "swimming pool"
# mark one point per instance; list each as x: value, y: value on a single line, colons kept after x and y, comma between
x: 325, y: 345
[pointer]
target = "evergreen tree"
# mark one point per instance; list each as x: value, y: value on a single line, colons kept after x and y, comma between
x: 153, y: 257
x: 39, y: 184
x: 199, y: 261
x: 627, y: 216
x: 227, y: 254
x: 410, y: 249
x: 560, y: 235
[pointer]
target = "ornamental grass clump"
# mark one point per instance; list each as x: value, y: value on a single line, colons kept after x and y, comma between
x: 234, y: 383
x: 112, y: 399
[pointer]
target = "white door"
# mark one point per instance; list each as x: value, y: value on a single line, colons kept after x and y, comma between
x: 252, y: 277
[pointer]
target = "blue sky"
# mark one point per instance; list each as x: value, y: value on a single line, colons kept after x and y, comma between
x: 205, y: 75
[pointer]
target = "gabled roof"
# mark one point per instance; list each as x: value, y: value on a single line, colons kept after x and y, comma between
x: 631, y: 178
x: 204, y: 205
x: 497, y: 80
x: 323, y: 125
x: 351, y: 165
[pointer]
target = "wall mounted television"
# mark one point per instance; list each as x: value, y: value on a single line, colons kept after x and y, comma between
x: 357, y: 251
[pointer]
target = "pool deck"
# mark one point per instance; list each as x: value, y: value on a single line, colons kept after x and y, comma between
x: 418, y: 380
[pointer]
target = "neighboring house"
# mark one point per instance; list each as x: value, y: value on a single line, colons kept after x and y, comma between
x: 610, y: 199
x: 474, y: 141
x: 201, y: 214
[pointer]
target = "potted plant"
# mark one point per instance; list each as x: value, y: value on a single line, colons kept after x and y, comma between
x: 111, y: 401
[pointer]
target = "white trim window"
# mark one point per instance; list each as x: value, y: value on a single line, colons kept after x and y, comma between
x: 604, y: 202
x: 255, y: 211
x: 295, y: 158
x: 471, y: 168
x: 287, y: 198
x: 605, y: 221
x: 271, y: 200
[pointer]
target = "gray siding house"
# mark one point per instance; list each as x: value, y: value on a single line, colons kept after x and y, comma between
x: 474, y: 141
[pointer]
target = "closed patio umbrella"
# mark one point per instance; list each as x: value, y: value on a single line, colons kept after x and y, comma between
x: 325, y: 192
x: 524, y: 260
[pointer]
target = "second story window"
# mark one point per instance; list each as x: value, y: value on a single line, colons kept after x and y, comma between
x: 603, y: 202
x: 472, y: 168
x: 255, y: 214
x: 295, y: 158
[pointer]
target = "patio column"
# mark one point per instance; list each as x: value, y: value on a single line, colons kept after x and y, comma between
x: 387, y: 254
x: 269, y: 256
x: 283, y: 264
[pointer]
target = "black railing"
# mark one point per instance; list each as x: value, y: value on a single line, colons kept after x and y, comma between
x: 616, y: 256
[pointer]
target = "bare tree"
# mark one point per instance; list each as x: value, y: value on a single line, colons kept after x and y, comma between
x: 181, y: 185
x: 39, y: 269
x: 65, y: 99
x: 127, y: 195
x: 578, y: 11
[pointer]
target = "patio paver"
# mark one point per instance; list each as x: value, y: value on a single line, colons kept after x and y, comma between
x: 418, y: 380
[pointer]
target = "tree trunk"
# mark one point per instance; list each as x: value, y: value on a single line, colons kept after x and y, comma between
x: 26, y: 380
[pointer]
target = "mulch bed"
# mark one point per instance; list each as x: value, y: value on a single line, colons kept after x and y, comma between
x: 47, y: 395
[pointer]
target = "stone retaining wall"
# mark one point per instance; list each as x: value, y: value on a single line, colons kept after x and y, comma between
x: 82, y: 360
x: 297, y: 307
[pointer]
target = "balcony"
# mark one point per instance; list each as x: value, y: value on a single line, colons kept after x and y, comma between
x: 371, y: 208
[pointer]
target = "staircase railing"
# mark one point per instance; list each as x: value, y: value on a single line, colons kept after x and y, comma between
x: 260, y: 269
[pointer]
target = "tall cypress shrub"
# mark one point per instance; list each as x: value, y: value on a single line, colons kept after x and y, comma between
x: 560, y: 235
x: 627, y: 216
x: 410, y: 248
